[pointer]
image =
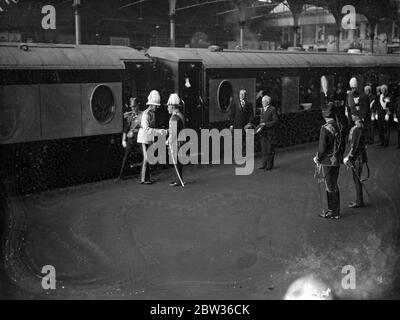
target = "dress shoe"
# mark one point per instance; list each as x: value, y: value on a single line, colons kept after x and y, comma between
x: 354, y: 205
x: 147, y: 182
x: 176, y: 184
x: 328, y: 214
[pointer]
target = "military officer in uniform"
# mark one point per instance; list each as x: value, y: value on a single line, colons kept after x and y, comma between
x: 176, y: 124
x: 267, y: 129
x: 132, y: 121
x: 329, y: 158
x: 147, y: 133
x: 396, y: 119
x: 357, y: 156
x: 359, y: 100
x: 385, y: 113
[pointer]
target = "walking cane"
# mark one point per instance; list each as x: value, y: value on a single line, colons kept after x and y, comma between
x: 176, y: 167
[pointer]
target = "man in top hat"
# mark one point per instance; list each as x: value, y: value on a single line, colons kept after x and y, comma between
x: 329, y: 158
x: 357, y: 156
x: 176, y: 124
x: 147, y: 133
x: 132, y: 120
x: 267, y: 129
x: 358, y: 100
x: 385, y: 113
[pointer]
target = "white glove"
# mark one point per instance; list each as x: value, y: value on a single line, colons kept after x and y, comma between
x: 396, y: 120
x: 376, y: 116
x: 373, y: 116
x: 124, y: 144
x: 346, y: 160
x: 387, y: 117
x: 315, y: 160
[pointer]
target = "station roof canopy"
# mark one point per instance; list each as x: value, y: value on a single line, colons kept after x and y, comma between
x: 45, y: 56
x: 271, y: 59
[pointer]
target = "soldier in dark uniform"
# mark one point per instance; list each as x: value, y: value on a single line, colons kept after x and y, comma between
x: 330, y: 157
x: 267, y: 127
x: 357, y: 156
x: 132, y: 119
x: 176, y: 124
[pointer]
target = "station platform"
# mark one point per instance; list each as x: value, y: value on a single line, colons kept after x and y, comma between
x: 221, y: 237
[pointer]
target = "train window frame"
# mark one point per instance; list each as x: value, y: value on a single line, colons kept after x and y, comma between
x: 229, y: 107
x: 114, y: 109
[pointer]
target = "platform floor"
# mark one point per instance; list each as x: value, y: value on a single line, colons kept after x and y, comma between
x: 221, y: 237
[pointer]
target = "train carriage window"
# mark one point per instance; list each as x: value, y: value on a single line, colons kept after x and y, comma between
x: 309, y: 92
x: 103, y: 104
x: 225, y: 96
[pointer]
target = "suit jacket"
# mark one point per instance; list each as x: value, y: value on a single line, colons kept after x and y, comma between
x: 241, y: 116
x: 270, y: 118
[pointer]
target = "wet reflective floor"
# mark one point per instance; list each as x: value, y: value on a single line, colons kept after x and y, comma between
x: 221, y: 237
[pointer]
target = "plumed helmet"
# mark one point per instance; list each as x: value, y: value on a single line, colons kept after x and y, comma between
x: 174, y: 100
x: 353, y: 83
x: 154, y: 98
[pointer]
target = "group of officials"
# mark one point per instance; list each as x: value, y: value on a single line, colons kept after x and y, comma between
x: 350, y: 121
x: 140, y: 127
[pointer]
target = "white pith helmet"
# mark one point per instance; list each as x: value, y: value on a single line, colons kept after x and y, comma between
x: 154, y: 98
x: 353, y: 83
x: 174, y: 100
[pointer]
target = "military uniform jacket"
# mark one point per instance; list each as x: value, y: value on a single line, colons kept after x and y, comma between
x: 359, y: 102
x: 176, y: 125
x: 270, y: 118
x: 331, y: 147
x: 384, y: 105
x: 358, y: 149
x: 241, y: 115
x: 132, y: 122
x: 147, y: 132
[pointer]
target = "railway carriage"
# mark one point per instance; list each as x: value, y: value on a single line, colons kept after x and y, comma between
x: 210, y: 81
x: 60, y: 107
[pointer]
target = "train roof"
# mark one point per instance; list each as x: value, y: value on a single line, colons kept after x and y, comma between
x: 82, y: 57
x: 271, y: 59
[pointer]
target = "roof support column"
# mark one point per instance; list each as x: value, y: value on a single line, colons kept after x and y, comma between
x: 172, y: 15
x: 76, y: 5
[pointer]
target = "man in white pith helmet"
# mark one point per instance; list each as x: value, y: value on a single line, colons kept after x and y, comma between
x: 176, y: 124
x: 147, y: 132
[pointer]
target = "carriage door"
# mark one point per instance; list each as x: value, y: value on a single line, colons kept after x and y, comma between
x: 190, y: 77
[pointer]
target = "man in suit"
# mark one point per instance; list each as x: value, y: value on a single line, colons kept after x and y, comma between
x: 267, y: 129
x: 242, y: 116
